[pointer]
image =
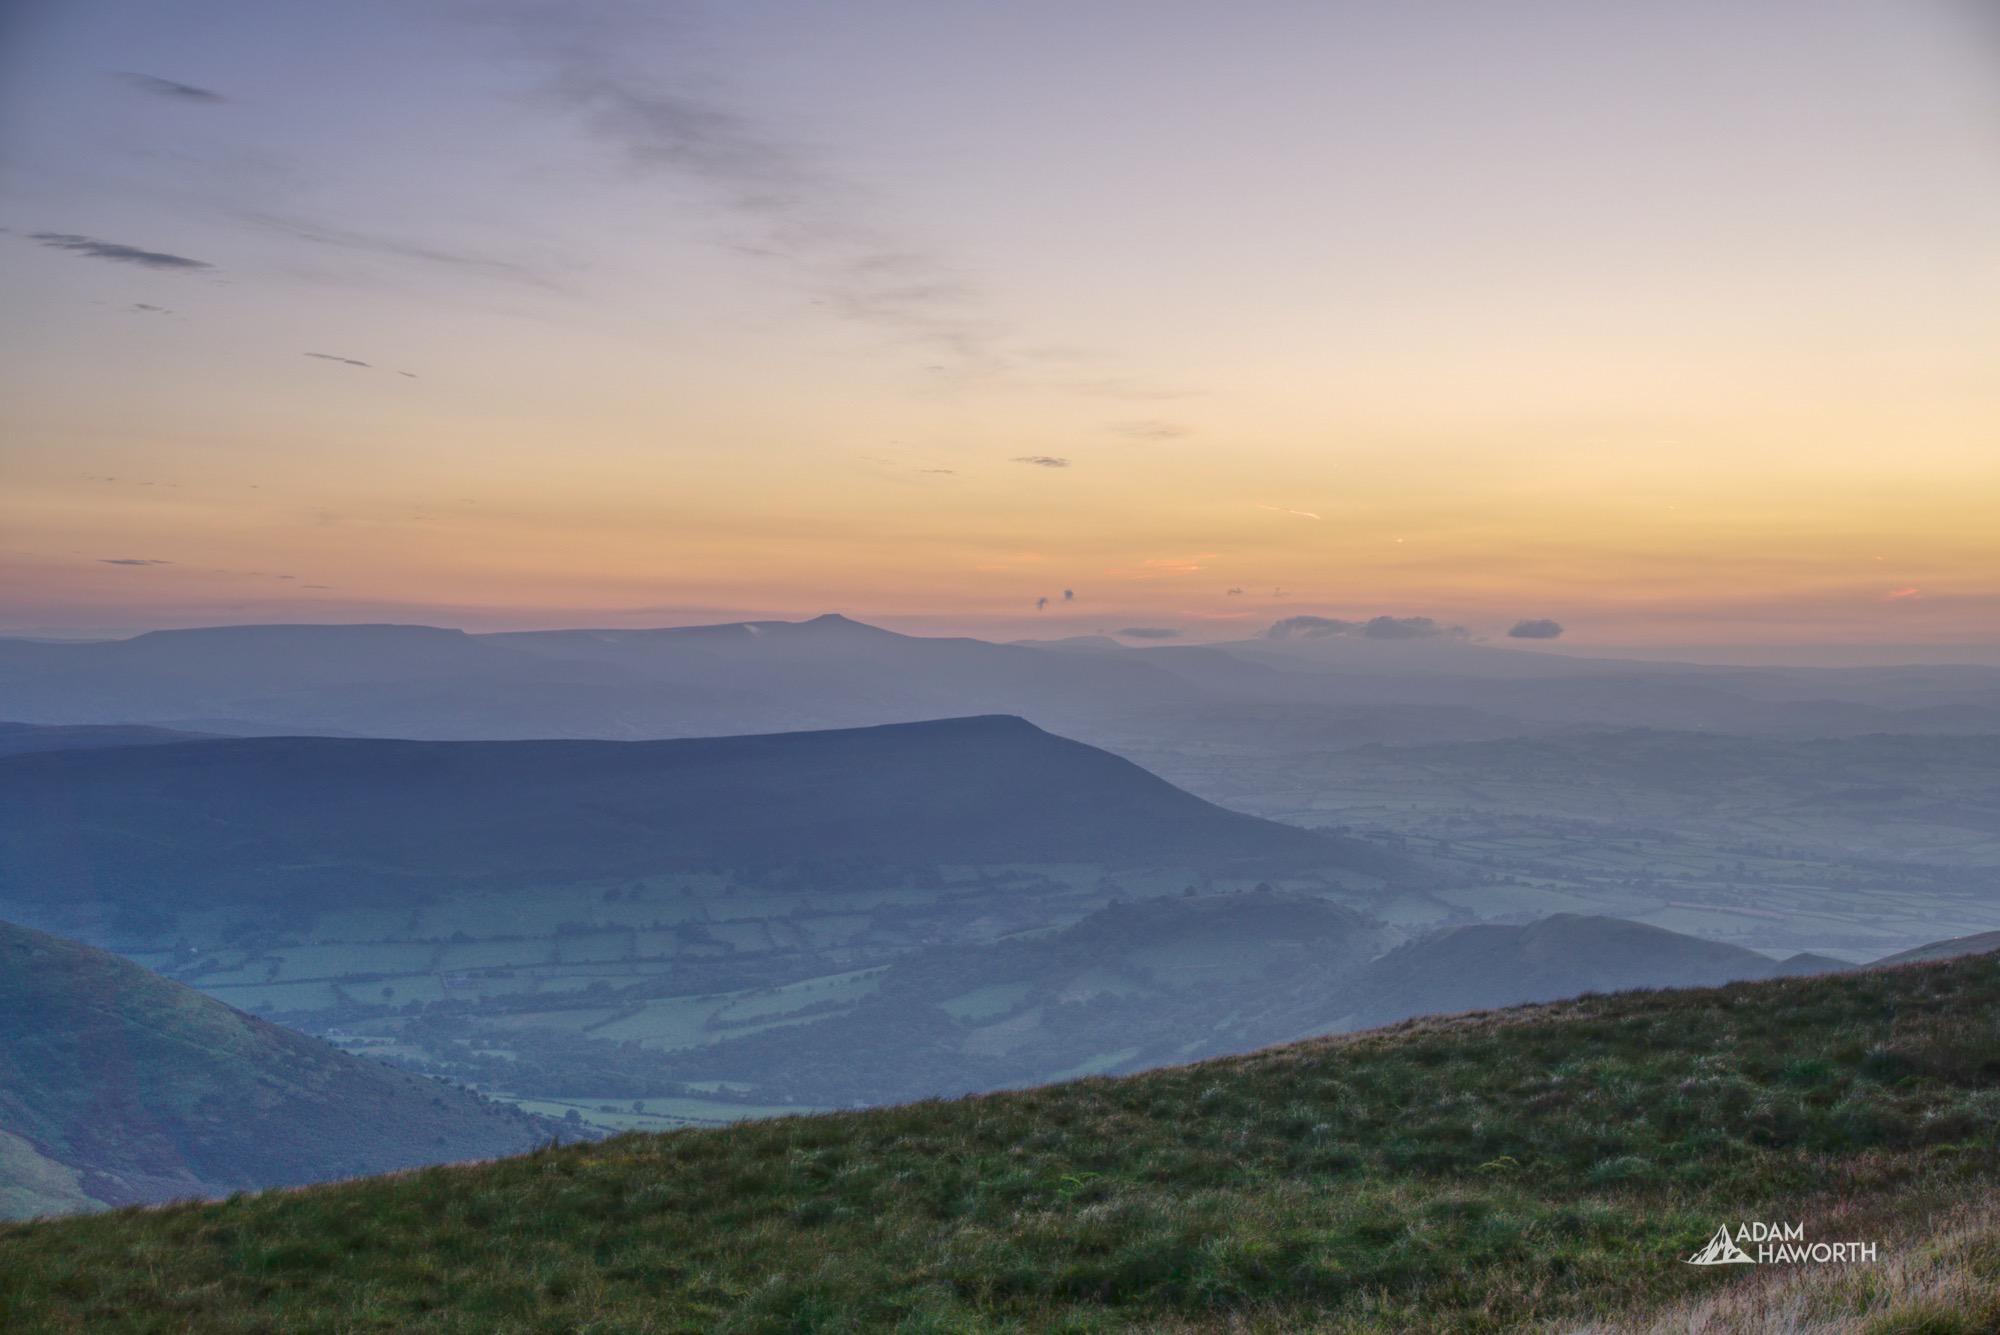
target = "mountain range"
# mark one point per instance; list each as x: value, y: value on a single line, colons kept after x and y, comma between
x: 831, y: 671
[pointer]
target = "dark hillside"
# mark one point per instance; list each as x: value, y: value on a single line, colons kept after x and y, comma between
x: 117, y: 1085
x: 265, y: 819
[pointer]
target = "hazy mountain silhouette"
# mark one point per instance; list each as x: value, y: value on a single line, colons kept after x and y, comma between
x: 831, y: 671
x: 22, y: 738
x: 118, y: 1086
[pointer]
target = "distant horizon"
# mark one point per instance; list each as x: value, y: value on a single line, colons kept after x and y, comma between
x: 1772, y: 654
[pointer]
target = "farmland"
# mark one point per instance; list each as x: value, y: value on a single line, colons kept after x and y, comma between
x: 573, y: 997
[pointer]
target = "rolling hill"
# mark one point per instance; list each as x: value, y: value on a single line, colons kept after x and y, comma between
x: 118, y: 1086
x: 1544, y: 1167
x: 1134, y: 985
x: 1486, y: 966
x: 268, y: 820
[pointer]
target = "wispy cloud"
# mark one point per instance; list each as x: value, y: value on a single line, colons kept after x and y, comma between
x: 1287, y: 510
x: 130, y: 561
x: 1042, y: 460
x: 399, y: 248
x: 1150, y: 428
x: 345, y: 361
x: 114, y: 250
x: 1127, y: 388
x: 185, y: 92
x: 1175, y: 565
x: 784, y: 204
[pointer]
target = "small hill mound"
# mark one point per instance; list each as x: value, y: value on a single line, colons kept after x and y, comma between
x: 118, y: 1086
x: 269, y: 819
x: 1980, y: 944
x: 1806, y: 963
x: 1542, y: 1168
x: 1490, y: 965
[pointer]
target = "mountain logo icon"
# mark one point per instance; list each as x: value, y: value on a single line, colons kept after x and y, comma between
x: 1721, y: 1251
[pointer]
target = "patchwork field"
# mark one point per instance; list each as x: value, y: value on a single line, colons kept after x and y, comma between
x: 571, y: 997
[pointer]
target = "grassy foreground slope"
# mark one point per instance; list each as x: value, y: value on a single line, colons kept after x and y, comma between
x: 1547, y: 1164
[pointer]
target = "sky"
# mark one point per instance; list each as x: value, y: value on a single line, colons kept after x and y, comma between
x: 1669, y: 323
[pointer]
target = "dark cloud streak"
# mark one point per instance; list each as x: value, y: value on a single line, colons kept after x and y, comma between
x: 1375, y: 628
x: 113, y: 250
x: 185, y: 92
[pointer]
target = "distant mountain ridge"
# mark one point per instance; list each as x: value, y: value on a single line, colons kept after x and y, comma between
x: 18, y: 739
x: 268, y: 819
x: 118, y: 1086
x: 426, y: 682
x: 832, y: 671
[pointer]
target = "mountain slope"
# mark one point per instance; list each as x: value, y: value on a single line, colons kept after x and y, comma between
x: 268, y: 819
x: 1547, y: 1166
x: 118, y: 1086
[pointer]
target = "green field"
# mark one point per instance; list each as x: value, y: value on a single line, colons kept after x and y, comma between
x: 668, y: 962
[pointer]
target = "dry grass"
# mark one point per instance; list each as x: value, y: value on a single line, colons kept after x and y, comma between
x: 1943, y: 1279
